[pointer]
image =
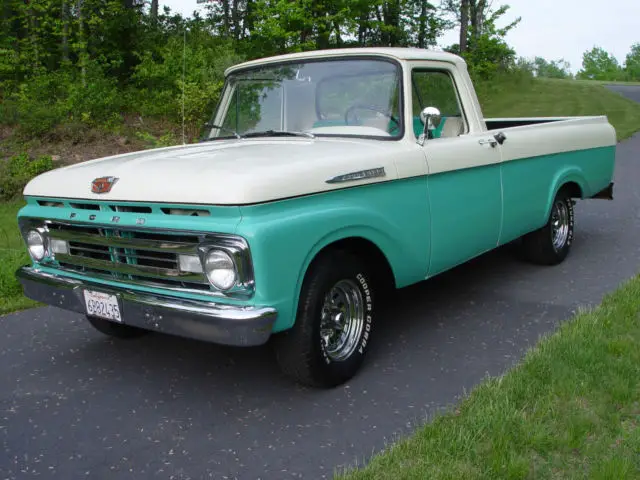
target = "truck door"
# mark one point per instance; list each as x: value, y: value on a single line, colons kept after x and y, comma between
x: 464, y: 178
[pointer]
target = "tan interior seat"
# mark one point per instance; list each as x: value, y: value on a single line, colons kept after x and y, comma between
x: 453, y: 127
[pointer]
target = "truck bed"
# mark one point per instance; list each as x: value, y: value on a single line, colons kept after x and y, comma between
x: 510, y: 122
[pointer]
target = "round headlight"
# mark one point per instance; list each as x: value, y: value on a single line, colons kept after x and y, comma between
x: 35, y: 244
x: 220, y: 269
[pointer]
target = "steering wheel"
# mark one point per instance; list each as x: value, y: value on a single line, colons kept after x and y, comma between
x: 370, y: 107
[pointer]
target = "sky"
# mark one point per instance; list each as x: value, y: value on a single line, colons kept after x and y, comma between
x: 552, y: 29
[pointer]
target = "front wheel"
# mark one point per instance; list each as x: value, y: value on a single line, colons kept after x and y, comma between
x: 550, y: 244
x: 335, y: 319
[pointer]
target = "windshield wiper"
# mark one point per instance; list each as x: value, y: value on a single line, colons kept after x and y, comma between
x: 211, y: 125
x: 275, y: 133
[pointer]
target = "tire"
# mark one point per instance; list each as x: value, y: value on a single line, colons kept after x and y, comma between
x: 311, y: 353
x: 116, y: 330
x: 551, y: 244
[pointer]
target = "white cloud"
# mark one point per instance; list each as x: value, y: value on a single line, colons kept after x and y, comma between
x: 552, y: 29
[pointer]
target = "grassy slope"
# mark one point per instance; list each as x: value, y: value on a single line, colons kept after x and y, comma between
x: 547, y: 97
x: 12, y: 255
x: 571, y: 409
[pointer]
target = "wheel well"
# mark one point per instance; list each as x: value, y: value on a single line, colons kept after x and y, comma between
x: 573, y: 189
x: 370, y: 253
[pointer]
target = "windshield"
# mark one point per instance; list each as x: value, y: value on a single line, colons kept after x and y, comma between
x: 350, y: 97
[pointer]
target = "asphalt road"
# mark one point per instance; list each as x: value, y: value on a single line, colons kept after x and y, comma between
x: 629, y: 91
x: 75, y: 404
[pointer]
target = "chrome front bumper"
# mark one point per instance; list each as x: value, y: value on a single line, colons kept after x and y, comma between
x: 200, y: 320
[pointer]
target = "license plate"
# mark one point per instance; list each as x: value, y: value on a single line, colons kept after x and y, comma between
x: 102, y: 305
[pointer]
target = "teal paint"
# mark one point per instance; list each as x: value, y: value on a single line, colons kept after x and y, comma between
x: 222, y: 219
x: 423, y: 225
x: 530, y: 184
x: 466, y: 213
x: 285, y: 236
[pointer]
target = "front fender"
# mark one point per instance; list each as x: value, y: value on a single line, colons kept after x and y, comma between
x: 285, y: 236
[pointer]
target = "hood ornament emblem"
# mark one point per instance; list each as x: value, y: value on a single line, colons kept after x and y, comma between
x: 103, y: 184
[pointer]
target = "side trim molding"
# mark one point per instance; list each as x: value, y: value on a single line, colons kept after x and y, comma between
x: 359, y: 175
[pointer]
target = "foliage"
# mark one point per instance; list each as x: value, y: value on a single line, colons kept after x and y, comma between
x: 158, y: 84
x: 632, y: 63
x: 541, y: 67
x: 16, y: 172
x: 598, y: 64
x: 487, y: 51
x: 70, y: 65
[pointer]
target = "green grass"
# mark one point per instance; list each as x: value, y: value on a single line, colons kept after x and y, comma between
x: 513, y: 97
x: 570, y: 409
x: 12, y: 256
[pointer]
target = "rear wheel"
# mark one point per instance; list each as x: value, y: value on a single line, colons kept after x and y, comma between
x: 331, y: 335
x: 116, y: 330
x: 550, y: 244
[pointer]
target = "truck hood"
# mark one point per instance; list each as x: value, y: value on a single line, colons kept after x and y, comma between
x: 223, y: 172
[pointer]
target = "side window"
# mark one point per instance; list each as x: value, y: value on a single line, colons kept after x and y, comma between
x: 433, y: 88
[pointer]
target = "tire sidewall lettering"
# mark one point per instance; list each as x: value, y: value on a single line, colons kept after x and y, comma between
x: 368, y: 319
x: 570, y: 207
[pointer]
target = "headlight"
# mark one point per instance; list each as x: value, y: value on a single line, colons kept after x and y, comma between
x: 35, y: 244
x: 220, y: 269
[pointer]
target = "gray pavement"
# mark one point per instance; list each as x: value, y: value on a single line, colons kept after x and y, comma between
x: 75, y: 404
x: 629, y: 91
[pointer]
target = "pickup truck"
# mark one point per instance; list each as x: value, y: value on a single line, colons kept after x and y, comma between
x: 324, y: 180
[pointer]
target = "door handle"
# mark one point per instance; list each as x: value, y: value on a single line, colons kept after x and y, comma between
x: 491, y: 141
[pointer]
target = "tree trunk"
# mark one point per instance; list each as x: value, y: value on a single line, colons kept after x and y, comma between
x: 477, y: 18
x: 226, y: 17
x: 33, y: 25
x: 235, y: 20
x: 464, y: 24
x: 65, y: 32
x: 422, y: 32
x: 83, y: 44
x: 391, y: 35
x: 338, y: 35
x: 154, y: 11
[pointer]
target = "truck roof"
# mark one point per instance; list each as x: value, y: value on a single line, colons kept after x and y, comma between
x: 399, y: 53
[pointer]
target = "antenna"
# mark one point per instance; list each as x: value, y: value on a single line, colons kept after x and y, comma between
x: 184, y: 67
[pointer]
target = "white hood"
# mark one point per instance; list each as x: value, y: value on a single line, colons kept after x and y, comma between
x: 223, y: 172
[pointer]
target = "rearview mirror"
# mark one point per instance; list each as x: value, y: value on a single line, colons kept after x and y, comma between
x: 431, y: 119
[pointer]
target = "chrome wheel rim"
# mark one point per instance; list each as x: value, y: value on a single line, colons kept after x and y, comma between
x: 342, y: 320
x: 559, y: 225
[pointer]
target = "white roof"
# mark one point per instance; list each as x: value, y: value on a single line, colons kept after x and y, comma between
x: 399, y: 53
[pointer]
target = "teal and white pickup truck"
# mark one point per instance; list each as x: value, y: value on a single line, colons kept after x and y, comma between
x: 325, y: 178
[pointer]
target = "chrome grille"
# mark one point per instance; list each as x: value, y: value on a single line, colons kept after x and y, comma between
x: 129, y: 255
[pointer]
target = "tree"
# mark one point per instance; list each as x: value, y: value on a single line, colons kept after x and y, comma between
x: 551, y: 69
x: 632, y: 63
x: 598, y: 64
x: 476, y: 18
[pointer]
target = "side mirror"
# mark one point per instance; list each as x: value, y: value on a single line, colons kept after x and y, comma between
x: 431, y: 119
